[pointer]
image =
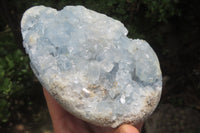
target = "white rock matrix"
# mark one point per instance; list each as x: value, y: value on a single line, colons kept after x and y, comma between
x: 85, y: 60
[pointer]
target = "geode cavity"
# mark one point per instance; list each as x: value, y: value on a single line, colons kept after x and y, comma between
x: 85, y: 60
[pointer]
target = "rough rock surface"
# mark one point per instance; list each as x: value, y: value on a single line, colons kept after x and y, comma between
x: 88, y: 64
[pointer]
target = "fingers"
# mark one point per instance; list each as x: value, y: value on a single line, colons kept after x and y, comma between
x: 127, y: 129
x: 57, y: 113
x: 55, y: 110
x: 63, y: 122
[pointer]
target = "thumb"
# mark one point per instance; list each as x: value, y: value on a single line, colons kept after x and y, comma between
x: 126, y: 129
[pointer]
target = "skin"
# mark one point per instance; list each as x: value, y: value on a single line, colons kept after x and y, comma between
x: 64, y: 122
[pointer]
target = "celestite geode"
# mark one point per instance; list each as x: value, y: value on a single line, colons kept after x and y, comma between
x: 85, y: 60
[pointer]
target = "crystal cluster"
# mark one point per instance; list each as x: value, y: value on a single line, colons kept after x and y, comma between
x: 85, y: 60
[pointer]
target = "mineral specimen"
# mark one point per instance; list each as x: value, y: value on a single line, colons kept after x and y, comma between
x: 85, y: 60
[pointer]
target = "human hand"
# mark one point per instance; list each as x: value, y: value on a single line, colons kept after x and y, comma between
x: 64, y: 122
